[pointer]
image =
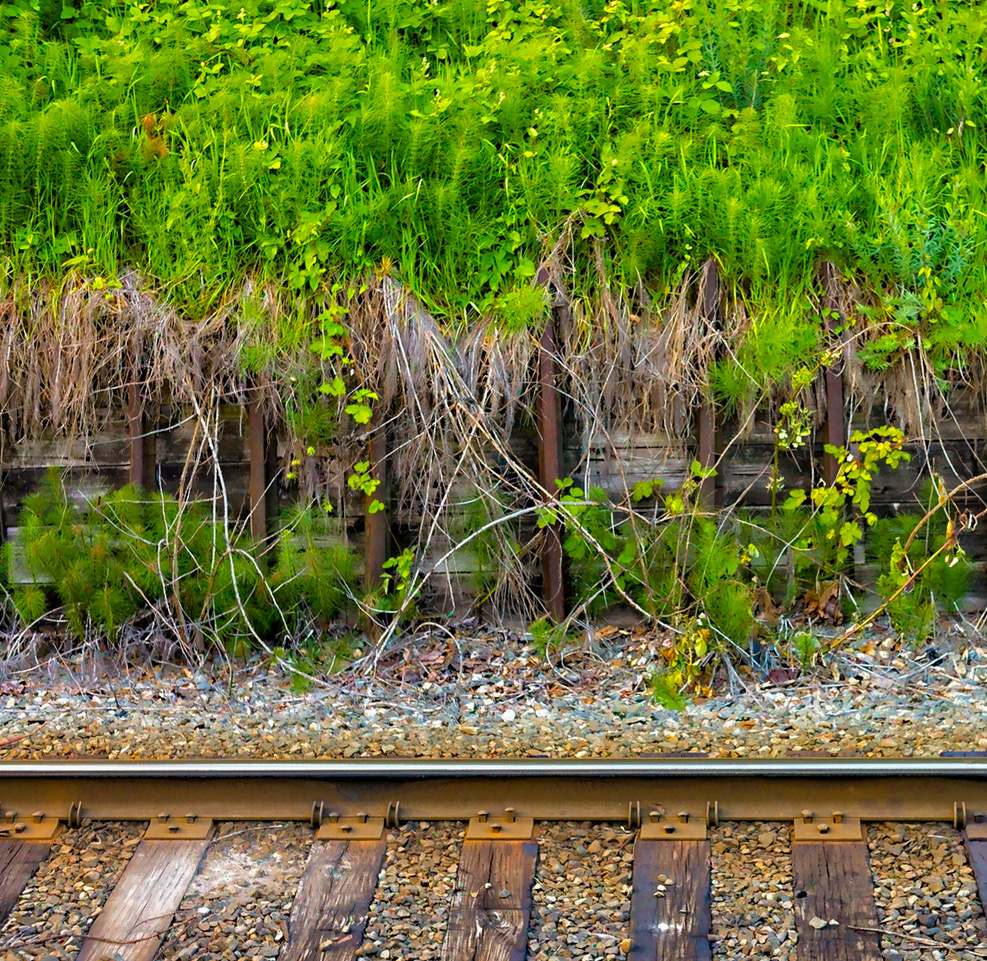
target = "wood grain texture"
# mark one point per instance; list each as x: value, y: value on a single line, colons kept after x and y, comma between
x: 976, y: 852
x: 674, y: 927
x: 18, y: 862
x: 833, y: 883
x: 330, y: 909
x: 491, y: 903
x: 139, y: 910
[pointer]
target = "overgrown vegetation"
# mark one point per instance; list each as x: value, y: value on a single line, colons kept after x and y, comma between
x: 341, y: 208
x: 447, y: 141
x: 724, y: 578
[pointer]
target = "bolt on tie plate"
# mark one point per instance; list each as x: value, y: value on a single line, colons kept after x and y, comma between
x: 37, y: 827
x: 682, y: 827
x: 510, y: 827
x: 360, y: 827
x: 837, y: 827
x: 973, y: 826
x: 190, y: 828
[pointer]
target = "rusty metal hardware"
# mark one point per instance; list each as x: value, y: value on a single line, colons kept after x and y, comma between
x: 508, y: 828
x: 974, y: 825
x: 834, y: 828
x: 189, y: 828
x: 75, y: 814
x: 682, y: 827
x: 358, y: 828
x: 35, y: 827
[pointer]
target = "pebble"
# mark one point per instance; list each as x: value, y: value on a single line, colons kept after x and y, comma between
x: 752, y: 908
x: 416, y: 882
x: 496, y: 698
x: 924, y: 887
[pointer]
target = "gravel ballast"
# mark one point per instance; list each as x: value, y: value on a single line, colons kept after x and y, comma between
x: 61, y: 901
x: 493, y: 697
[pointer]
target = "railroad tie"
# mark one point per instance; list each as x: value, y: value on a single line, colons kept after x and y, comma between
x: 141, y: 906
x: 670, y: 901
x: 491, y: 901
x: 330, y: 910
x: 834, y: 901
x: 18, y: 862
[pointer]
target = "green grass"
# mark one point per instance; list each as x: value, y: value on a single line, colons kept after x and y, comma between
x: 454, y: 142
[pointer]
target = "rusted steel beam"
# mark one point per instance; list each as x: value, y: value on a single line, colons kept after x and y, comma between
x: 709, y: 491
x: 872, y: 789
x: 376, y: 530
x: 259, y: 456
x: 834, y: 429
x: 141, y: 444
x: 549, y: 414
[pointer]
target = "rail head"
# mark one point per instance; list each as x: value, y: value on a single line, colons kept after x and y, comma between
x: 445, y: 768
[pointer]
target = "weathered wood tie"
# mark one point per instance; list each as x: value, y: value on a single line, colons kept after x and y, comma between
x: 18, y: 862
x: 834, y: 901
x: 491, y: 902
x: 141, y: 906
x: 670, y: 901
x: 330, y: 911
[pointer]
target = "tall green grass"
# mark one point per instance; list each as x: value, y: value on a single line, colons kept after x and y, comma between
x: 452, y: 142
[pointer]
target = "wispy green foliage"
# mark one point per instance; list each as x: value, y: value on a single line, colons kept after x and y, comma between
x: 452, y: 140
x: 134, y: 552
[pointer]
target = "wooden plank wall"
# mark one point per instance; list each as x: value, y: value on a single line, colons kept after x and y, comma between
x: 102, y: 462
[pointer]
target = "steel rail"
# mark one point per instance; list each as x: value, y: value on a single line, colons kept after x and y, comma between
x: 627, y: 789
x: 358, y: 768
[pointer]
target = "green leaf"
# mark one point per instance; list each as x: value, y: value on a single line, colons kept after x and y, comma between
x: 334, y: 389
x: 795, y: 499
x: 360, y: 413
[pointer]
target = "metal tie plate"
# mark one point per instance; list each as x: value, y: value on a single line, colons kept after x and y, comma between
x: 359, y: 828
x: 974, y: 825
x: 682, y: 827
x: 34, y: 827
x: 189, y: 828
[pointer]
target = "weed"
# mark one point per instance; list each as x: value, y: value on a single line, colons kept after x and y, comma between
x: 133, y: 552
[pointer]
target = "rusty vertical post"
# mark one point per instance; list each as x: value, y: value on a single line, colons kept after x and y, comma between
x: 549, y: 415
x: 141, y: 472
x: 258, y: 450
x: 375, y: 546
x: 709, y: 491
x: 834, y: 429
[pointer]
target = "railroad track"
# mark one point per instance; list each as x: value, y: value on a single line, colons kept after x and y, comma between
x: 348, y: 807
